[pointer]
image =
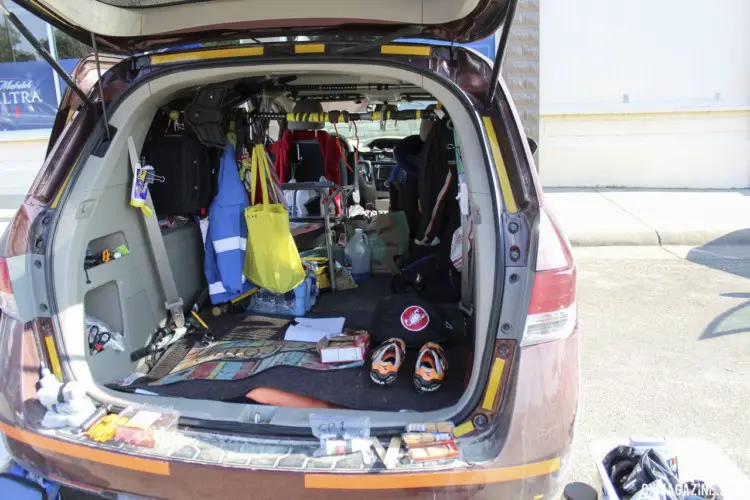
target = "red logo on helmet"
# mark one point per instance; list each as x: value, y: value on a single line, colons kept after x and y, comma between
x: 414, y: 319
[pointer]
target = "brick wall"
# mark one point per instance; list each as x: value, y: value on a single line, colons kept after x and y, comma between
x: 521, y: 67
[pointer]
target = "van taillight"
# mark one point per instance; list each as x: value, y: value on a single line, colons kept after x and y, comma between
x: 552, y: 309
x: 14, y: 243
x: 7, y: 301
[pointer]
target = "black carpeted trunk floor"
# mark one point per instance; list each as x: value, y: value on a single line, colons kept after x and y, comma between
x: 349, y: 388
x: 356, y: 305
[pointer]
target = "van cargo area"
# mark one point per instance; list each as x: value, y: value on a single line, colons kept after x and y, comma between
x: 289, y: 249
x: 336, y: 134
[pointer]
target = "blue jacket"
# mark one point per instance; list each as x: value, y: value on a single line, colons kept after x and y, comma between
x: 226, y: 238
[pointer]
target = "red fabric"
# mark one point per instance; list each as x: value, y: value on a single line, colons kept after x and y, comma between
x: 276, y: 397
x: 328, y: 146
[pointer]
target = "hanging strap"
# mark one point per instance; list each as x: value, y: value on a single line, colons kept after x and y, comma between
x: 259, y: 167
x: 466, y: 230
x: 173, y: 302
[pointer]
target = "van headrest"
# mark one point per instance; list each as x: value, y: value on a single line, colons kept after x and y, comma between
x: 426, y: 125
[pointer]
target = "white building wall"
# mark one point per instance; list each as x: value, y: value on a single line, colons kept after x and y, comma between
x: 21, y: 156
x: 645, y: 93
x: 20, y: 160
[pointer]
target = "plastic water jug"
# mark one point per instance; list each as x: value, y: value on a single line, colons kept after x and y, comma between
x: 360, y: 254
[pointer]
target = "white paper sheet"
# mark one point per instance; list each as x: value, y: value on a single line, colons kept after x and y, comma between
x: 329, y: 325
x: 302, y: 333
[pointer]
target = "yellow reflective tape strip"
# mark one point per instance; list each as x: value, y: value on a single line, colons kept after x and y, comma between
x: 539, y: 497
x: 307, y: 117
x: 463, y: 429
x: 494, y: 384
x: 54, y: 360
x: 64, y: 184
x: 419, y: 114
x: 406, y: 50
x: 508, y: 198
x: 206, y: 54
x: 310, y: 48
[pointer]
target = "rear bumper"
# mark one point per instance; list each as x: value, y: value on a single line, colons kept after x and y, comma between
x: 530, y: 450
x: 181, y: 480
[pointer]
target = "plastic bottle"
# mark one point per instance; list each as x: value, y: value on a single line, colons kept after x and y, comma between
x: 266, y: 302
x: 293, y: 303
x: 313, y: 288
x: 301, y: 298
x: 359, y: 251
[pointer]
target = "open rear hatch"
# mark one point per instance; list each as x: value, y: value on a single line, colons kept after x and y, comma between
x: 137, y: 25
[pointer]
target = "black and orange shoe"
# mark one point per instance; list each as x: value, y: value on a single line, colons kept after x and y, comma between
x: 386, y: 360
x: 431, y: 366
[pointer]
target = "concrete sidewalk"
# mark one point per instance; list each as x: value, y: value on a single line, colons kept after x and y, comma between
x: 600, y: 216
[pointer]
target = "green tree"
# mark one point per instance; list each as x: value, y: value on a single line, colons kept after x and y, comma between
x: 70, y: 48
x: 10, y: 38
x: 67, y: 47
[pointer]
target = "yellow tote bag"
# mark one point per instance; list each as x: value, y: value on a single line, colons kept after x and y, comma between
x: 272, y: 260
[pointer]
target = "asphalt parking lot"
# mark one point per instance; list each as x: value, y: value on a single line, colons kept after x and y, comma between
x: 666, y: 347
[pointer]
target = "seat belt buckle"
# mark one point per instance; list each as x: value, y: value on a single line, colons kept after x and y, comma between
x: 178, y: 315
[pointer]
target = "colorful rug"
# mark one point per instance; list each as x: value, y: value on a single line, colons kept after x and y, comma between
x: 234, y: 327
x: 237, y: 360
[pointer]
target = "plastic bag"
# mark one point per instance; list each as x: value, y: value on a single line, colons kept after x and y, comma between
x: 101, y: 336
x: 651, y: 469
x: 67, y: 404
x: 296, y: 199
x: 342, y: 435
x: 388, y: 235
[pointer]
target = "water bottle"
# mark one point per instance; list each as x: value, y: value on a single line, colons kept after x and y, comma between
x: 359, y: 251
x: 312, y: 289
x: 266, y: 302
x: 301, y: 299
x: 261, y: 302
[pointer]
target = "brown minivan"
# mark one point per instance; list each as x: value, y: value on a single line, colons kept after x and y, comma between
x: 512, y: 396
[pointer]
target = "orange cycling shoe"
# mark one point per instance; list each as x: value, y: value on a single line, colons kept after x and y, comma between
x: 431, y: 366
x: 386, y: 360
